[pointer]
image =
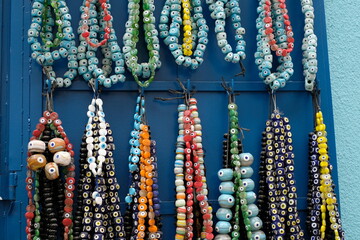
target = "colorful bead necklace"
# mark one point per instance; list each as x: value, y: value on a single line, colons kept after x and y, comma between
x: 309, y: 45
x: 194, y: 213
x: 274, y: 34
x: 131, y: 38
x: 42, y: 24
x: 143, y: 212
x: 195, y: 29
x: 220, y: 10
x: 238, y: 212
x: 98, y: 208
x: 277, y: 194
x: 96, y: 21
x: 51, y: 204
x: 323, y: 213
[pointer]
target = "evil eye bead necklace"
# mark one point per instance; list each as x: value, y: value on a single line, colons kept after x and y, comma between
x: 324, y: 217
x: 100, y: 216
x: 220, y: 10
x: 238, y: 212
x: 51, y: 204
x: 309, y: 45
x: 95, y: 23
x: 42, y: 24
x: 277, y: 195
x: 143, y: 212
x: 144, y: 70
x: 191, y: 52
x: 274, y: 34
x: 194, y: 213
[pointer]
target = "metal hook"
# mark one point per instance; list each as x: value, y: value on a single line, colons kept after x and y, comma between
x: 229, y: 90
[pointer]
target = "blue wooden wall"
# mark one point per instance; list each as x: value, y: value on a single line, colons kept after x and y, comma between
x: 22, y: 105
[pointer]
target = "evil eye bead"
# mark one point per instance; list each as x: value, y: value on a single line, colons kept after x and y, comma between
x: 56, y: 145
x: 253, y: 210
x: 246, y: 159
x: 222, y: 237
x: 225, y: 174
x: 224, y: 214
x: 258, y: 235
x: 36, y: 146
x: 255, y: 223
x: 36, y: 161
x: 62, y: 158
x: 227, y: 187
x: 226, y: 200
x: 223, y: 227
x: 51, y: 171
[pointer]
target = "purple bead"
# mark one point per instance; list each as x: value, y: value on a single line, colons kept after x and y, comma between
x: 157, y: 213
x: 155, y: 187
x: 155, y: 180
x: 155, y: 193
x: 156, y: 200
x: 156, y: 206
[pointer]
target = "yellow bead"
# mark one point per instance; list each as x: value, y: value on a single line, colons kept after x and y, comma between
x: 323, y: 145
x: 187, y: 28
x: 324, y: 164
x: 186, y: 16
x: 323, y: 208
x: 322, y: 151
x: 322, y: 229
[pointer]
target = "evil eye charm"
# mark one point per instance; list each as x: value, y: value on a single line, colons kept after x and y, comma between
x: 56, y: 145
x: 253, y: 210
x: 36, y: 146
x: 248, y: 184
x: 222, y: 237
x: 258, y: 235
x: 52, y: 171
x: 232, y: 106
x: 62, y: 158
x: 224, y: 214
x: 246, y: 172
x: 36, y: 161
x: 225, y: 174
x: 226, y: 200
x: 246, y: 159
x: 227, y: 187
x: 255, y: 223
x: 223, y: 227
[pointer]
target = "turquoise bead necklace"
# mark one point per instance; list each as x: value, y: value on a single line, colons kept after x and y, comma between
x: 238, y: 212
x: 170, y: 24
x: 270, y: 31
x: 309, y: 45
x: 96, y: 21
x: 131, y: 38
x: 220, y: 10
x: 42, y: 24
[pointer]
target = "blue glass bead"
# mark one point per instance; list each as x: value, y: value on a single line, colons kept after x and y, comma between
x: 132, y: 167
x: 248, y: 184
x: 250, y: 197
x: 223, y: 227
x: 224, y: 214
x: 226, y: 200
x: 225, y: 174
x: 227, y: 187
x: 253, y: 210
x: 259, y: 235
x: 255, y: 223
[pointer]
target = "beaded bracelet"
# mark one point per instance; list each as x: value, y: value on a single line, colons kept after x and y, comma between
x: 96, y: 20
x: 309, y: 45
x: 220, y: 10
x: 99, y: 215
x: 131, y: 38
x: 194, y: 213
x: 143, y: 212
x: 277, y: 195
x: 272, y: 30
x: 170, y: 31
x: 323, y: 217
x: 42, y: 24
x: 237, y: 176
x: 48, y: 150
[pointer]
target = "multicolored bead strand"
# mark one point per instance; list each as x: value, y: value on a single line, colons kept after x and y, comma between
x: 194, y: 213
x: 100, y: 216
x: 277, y: 195
x: 48, y: 150
x: 220, y: 10
x: 143, y: 211
x: 42, y: 24
x: 309, y: 45
x: 96, y: 22
x: 274, y: 26
x: 131, y: 38
x: 324, y: 217
x: 236, y: 189
x: 170, y: 22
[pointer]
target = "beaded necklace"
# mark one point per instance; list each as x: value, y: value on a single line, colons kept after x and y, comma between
x: 323, y: 212
x: 195, y: 29
x: 309, y: 45
x: 236, y: 189
x: 220, y: 10
x: 277, y: 194
x: 143, y: 212
x: 49, y: 151
x: 274, y: 34
x: 194, y: 213
x: 42, y: 24
x: 98, y: 208
x: 96, y: 21
x: 131, y: 38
